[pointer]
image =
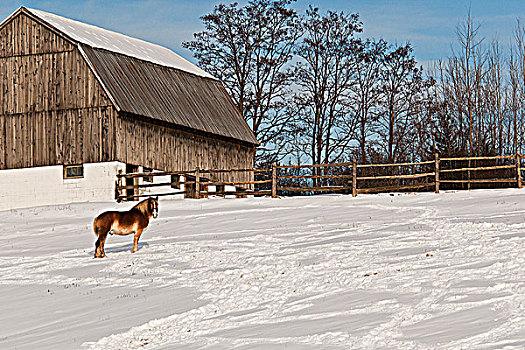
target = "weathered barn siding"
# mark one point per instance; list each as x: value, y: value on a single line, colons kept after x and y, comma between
x: 50, y: 81
x: 25, y: 36
x: 53, y: 109
x: 164, y: 148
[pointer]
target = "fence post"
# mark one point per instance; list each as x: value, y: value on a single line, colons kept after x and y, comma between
x: 274, y: 180
x: 118, y: 183
x: 468, y: 173
x: 354, y: 177
x: 197, y: 183
x: 518, y: 169
x: 436, y: 159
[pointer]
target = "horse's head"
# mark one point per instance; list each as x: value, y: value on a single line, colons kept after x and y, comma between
x: 153, y: 206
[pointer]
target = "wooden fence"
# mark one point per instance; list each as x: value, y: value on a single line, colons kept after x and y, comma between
x: 349, y: 177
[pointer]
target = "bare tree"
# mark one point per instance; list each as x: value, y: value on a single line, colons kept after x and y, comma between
x: 248, y: 48
x: 324, y: 74
x: 365, y: 91
x: 517, y: 86
x: 447, y: 131
x: 514, y: 92
x: 492, y: 134
x: 402, y: 86
x: 467, y: 70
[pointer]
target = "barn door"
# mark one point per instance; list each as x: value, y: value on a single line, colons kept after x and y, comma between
x: 130, y: 192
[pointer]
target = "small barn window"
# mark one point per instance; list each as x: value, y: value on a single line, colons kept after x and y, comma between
x: 147, y: 178
x: 73, y: 171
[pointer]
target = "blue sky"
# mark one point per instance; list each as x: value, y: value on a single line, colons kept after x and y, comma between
x: 429, y: 25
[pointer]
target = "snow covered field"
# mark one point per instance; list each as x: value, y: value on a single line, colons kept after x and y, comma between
x: 329, y: 272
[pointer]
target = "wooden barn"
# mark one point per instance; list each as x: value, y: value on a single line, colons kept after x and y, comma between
x: 80, y: 103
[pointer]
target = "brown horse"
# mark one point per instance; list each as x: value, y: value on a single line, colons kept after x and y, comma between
x: 124, y: 223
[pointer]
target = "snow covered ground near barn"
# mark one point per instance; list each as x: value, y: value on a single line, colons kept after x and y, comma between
x: 333, y: 272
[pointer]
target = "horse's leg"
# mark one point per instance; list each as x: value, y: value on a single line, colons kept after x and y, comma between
x: 102, y: 242
x: 99, y: 246
x: 136, y: 240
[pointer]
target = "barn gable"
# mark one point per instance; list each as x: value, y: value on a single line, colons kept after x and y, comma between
x: 42, y: 84
x: 53, y: 110
x: 36, y: 38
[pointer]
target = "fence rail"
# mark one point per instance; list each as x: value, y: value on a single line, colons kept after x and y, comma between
x: 344, y: 177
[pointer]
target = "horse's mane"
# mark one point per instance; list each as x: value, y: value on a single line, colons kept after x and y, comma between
x: 142, y: 207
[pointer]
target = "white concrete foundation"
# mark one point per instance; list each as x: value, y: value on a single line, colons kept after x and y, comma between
x: 20, y: 188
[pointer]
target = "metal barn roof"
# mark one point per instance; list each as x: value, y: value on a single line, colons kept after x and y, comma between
x: 169, y: 95
x: 116, y: 42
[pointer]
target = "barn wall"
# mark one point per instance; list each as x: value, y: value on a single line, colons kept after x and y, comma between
x: 53, y: 110
x: 163, y: 148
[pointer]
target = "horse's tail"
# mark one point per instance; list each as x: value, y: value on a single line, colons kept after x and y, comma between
x: 95, y: 227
